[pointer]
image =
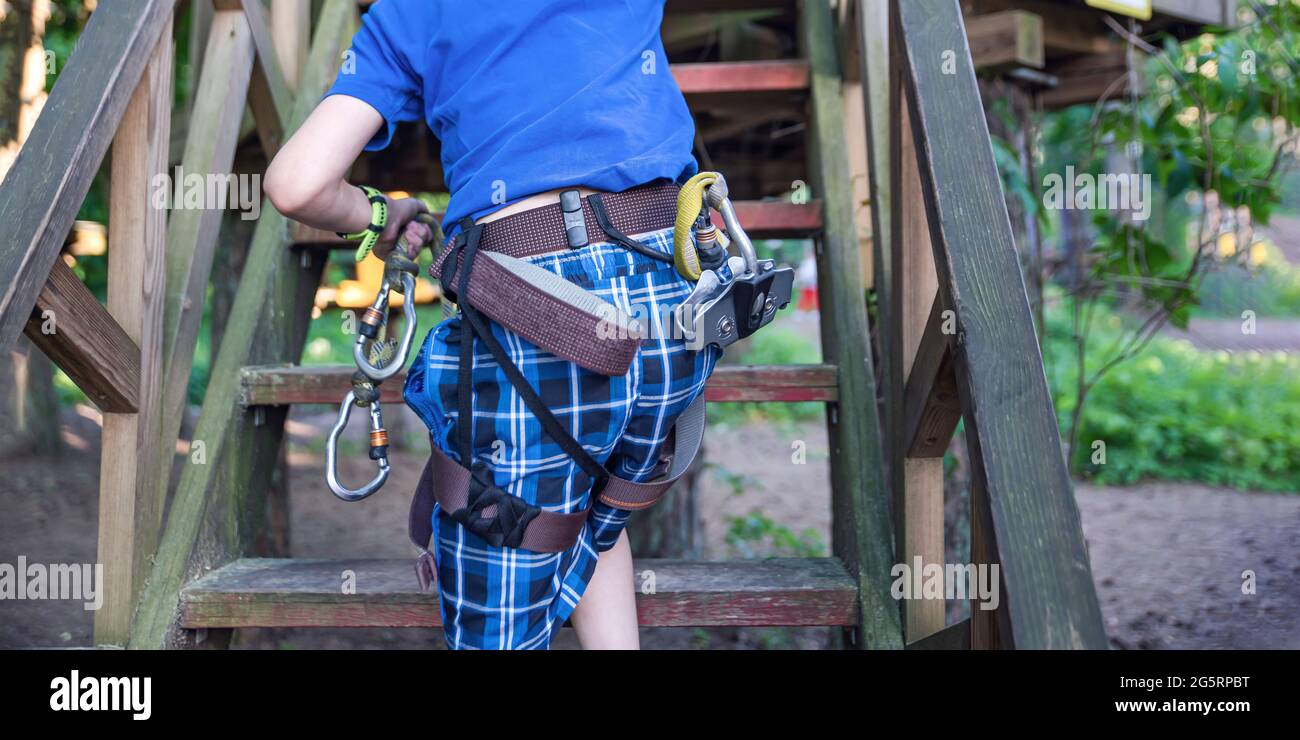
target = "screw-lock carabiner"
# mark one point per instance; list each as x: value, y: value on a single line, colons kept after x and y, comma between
x: 376, y: 317
x: 378, y: 451
x: 399, y: 275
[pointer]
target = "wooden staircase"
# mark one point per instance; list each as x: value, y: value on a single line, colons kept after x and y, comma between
x: 199, y: 574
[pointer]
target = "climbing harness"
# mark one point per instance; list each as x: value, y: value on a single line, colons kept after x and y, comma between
x: 484, y: 270
x: 377, y: 359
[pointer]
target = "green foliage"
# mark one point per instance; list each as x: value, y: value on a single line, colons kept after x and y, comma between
x: 756, y: 535
x: 1178, y: 413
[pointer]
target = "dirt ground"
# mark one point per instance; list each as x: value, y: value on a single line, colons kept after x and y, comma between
x: 1168, y: 559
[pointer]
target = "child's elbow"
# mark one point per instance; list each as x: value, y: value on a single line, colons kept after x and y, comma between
x: 290, y: 195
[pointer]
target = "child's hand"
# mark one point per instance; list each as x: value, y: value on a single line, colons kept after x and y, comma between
x: 401, y: 222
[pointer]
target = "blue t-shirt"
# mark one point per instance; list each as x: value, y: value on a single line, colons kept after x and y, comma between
x: 526, y: 96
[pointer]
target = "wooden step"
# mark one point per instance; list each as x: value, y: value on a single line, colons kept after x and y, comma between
x: 713, y: 78
x: 762, y: 219
x: 283, y: 386
x: 309, y: 593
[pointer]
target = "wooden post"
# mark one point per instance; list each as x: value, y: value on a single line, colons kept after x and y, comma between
x: 861, y: 535
x: 291, y: 32
x: 130, y: 507
x: 918, y: 504
x: 218, y: 507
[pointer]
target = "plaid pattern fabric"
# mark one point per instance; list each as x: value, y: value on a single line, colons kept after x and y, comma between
x: 502, y: 598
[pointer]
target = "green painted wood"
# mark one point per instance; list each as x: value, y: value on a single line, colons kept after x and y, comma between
x: 1016, y: 450
x: 879, y: 98
x: 192, y: 233
x: 670, y: 593
x: 48, y: 181
x: 219, y: 505
x: 861, y: 532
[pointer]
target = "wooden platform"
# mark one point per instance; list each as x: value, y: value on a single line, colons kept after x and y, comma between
x: 670, y: 593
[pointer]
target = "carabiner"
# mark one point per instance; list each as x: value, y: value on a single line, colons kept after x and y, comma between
x: 716, y: 196
x: 378, y: 451
x: 376, y: 317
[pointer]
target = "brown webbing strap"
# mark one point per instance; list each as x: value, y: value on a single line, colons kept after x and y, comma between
x: 554, y: 314
x: 550, y: 531
x: 688, y: 438
x: 541, y: 230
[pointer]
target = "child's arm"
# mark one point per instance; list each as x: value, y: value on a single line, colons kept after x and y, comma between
x: 306, y: 181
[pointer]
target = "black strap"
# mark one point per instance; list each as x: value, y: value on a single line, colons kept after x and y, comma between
x: 607, y: 225
x: 475, y: 326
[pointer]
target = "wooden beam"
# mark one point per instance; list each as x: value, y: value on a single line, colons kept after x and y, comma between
x: 918, y: 502
x: 762, y: 219
x: 787, y: 75
x: 931, y: 407
x: 873, y: 28
x: 269, y: 95
x: 1016, y: 453
x: 130, y: 507
x: 281, y: 386
x: 1012, y: 38
x: 306, y: 593
x: 40, y: 196
x: 70, y: 326
x: 953, y: 637
x: 192, y: 232
x: 861, y: 535
x: 291, y: 33
x: 219, y: 504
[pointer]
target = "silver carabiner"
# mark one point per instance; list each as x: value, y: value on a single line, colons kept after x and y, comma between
x: 716, y: 196
x: 375, y: 318
x: 378, y: 451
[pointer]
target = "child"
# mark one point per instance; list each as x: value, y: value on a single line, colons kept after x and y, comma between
x: 529, y: 99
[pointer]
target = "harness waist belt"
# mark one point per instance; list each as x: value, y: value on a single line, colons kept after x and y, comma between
x: 541, y: 230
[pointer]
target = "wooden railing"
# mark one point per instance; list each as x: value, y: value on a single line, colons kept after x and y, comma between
x: 958, y: 342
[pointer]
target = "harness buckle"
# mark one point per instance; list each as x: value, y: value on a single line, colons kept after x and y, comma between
x: 506, y: 525
x: 575, y: 225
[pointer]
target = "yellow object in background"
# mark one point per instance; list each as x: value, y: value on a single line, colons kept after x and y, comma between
x: 360, y: 293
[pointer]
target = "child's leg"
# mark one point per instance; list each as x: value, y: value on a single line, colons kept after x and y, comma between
x: 605, y: 618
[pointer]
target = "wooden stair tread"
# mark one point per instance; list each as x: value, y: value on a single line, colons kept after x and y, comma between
x: 762, y: 219
x: 283, y: 385
x: 308, y: 593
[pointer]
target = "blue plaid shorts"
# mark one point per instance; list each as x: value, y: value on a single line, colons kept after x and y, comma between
x: 503, y: 598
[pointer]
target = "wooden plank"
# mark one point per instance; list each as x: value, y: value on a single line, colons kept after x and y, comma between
x: 130, y: 507
x: 219, y: 504
x: 931, y: 406
x: 953, y: 637
x: 269, y: 95
x: 192, y: 232
x: 1049, y: 593
x: 86, y: 342
x: 762, y: 219
x: 281, y: 386
x: 918, y: 502
x: 291, y: 33
x: 861, y: 535
x: 1012, y: 38
x: 785, y: 75
x: 873, y: 28
x: 670, y: 593
x: 49, y: 179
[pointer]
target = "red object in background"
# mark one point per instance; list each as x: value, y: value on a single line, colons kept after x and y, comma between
x: 808, y: 298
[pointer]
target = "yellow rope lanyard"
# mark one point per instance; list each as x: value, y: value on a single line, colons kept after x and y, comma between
x: 690, y: 204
